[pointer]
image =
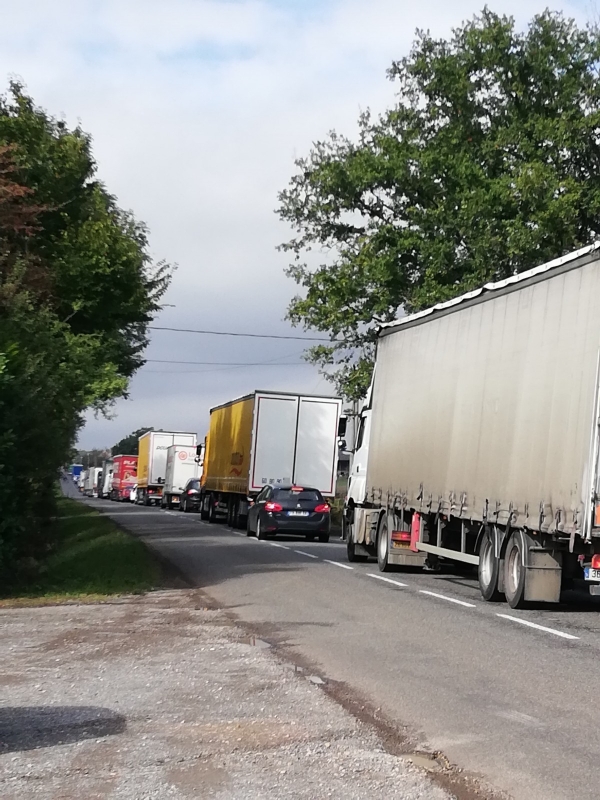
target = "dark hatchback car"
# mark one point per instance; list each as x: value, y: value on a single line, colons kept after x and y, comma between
x: 289, y: 509
x: 190, y: 497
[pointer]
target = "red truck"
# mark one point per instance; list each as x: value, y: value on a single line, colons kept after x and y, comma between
x: 124, y: 477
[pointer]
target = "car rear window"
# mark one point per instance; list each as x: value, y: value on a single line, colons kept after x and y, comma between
x: 194, y: 484
x: 310, y: 495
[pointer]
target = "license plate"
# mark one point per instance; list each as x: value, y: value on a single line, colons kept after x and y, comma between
x: 591, y: 574
x: 297, y: 513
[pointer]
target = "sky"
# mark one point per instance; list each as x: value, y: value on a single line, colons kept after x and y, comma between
x: 197, y: 109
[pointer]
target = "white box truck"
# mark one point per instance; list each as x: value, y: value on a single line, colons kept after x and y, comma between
x: 107, y: 475
x: 182, y: 465
x: 91, y: 481
x: 479, y: 441
x: 152, y: 462
x: 266, y: 438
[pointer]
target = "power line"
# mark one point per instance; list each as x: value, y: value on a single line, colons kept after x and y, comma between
x: 226, y: 363
x: 232, y: 333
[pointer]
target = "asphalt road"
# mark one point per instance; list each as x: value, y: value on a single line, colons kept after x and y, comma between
x: 505, y: 694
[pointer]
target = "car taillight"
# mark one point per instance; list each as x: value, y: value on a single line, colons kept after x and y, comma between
x: 273, y: 507
x: 192, y: 491
x: 322, y: 508
x: 596, y: 561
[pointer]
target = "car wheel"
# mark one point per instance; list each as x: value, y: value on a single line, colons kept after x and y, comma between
x: 260, y: 534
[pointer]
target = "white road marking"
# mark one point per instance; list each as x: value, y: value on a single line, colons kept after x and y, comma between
x: 337, y: 564
x: 518, y: 716
x: 274, y: 544
x: 237, y: 533
x: 538, y: 627
x: 449, y: 599
x: 387, y: 580
x: 302, y: 553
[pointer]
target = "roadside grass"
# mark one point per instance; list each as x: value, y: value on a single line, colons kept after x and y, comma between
x: 92, y: 559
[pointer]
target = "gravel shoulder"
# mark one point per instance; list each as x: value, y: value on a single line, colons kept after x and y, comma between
x: 160, y: 696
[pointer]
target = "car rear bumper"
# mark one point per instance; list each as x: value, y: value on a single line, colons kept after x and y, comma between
x: 276, y: 523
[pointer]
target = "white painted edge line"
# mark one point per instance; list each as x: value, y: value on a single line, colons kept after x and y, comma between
x: 337, y: 564
x: 449, y: 599
x: 275, y: 544
x: 237, y: 533
x: 387, y: 580
x: 302, y: 553
x: 538, y: 627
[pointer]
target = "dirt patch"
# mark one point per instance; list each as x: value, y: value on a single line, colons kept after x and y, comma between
x: 163, y: 697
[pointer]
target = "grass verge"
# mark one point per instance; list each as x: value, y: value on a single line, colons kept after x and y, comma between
x: 92, y: 559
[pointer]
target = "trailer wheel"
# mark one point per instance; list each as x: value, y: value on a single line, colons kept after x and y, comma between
x: 383, y: 546
x: 488, y: 570
x: 514, y: 571
x: 212, y: 514
x: 203, y: 508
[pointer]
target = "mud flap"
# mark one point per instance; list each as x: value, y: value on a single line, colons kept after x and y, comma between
x: 543, y: 575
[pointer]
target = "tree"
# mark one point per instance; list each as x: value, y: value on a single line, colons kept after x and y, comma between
x: 487, y: 165
x: 129, y: 445
x: 77, y: 292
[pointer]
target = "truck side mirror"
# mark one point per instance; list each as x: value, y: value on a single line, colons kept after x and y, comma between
x: 199, y: 448
x: 341, y: 432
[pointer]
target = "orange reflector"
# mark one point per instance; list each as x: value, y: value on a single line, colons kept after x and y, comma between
x: 400, y: 536
x: 597, y: 517
x: 596, y: 561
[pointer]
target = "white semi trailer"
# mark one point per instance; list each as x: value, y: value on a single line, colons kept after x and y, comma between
x: 479, y: 439
x: 182, y: 464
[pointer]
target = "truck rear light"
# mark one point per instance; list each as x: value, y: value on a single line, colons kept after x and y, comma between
x: 273, y: 507
x: 400, y: 536
x: 322, y: 508
x: 596, y: 561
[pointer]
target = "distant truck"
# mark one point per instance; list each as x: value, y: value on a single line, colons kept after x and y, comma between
x: 124, y: 477
x: 182, y: 465
x: 480, y: 441
x: 268, y: 438
x: 104, y: 490
x: 91, y: 481
x: 75, y: 471
x: 152, y: 462
x: 81, y: 480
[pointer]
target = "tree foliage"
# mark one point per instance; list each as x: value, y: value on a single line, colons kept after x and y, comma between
x: 129, y: 445
x: 77, y: 292
x: 486, y: 165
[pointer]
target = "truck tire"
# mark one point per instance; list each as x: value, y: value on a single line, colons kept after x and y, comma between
x: 515, y: 571
x: 488, y: 570
x: 383, y: 546
x: 212, y: 514
x: 203, y: 508
x: 353, y: 558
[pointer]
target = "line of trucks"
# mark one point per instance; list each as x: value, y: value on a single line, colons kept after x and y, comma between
x: 478, y: 442
x: 264, y: 438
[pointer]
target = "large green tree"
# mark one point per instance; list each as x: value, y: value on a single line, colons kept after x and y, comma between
x: 77, y: 292
x: 129, y: 445
x: 487, y: 164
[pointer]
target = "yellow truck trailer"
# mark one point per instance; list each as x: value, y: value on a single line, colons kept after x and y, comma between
x: 268, y: 438
x: 152, y: 462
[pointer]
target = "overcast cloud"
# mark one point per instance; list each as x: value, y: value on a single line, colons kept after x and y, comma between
x: 197, y: 110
